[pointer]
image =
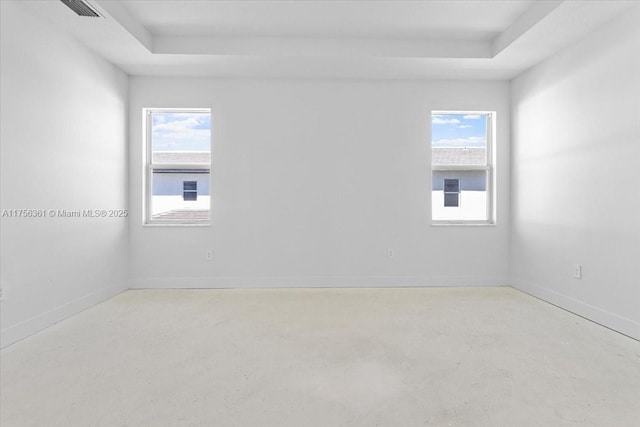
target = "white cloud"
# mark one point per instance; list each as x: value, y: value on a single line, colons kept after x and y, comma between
x: 439, y: 120
x: 175, y: 127
x: 472, y: 116
x: 186, y: 133
x: 473, y: 141
x: 464, y: 126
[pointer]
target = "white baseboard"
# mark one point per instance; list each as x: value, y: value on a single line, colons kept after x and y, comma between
x: 598, y: 315
x: 312, y: 281
x: 35, y: 324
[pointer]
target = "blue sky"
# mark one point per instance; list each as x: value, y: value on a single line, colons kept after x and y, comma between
x: 458, y: 130
x: 181, y: 131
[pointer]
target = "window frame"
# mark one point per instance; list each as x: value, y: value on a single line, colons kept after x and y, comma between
x: 149, y: 166
x: 488, y: 168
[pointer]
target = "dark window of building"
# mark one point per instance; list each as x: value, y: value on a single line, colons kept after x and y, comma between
x: 451, y: 192
x: 190, y: 190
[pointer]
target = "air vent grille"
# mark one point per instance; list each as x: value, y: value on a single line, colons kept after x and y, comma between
x: 81, y: 7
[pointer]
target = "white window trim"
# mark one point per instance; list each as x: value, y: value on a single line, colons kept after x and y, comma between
x: 148, y: 168
x: 489, y: 168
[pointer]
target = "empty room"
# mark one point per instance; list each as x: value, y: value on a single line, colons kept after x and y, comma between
x: 320, y: 213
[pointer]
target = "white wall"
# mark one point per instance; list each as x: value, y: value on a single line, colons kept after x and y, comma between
x: 576, y: 177
x: 63, y: 146
x: 312, y: 183
x: 469, y: 180
x: 172, y: 184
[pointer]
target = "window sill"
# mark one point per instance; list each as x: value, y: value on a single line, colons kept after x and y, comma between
x: 182, y: 224
x: 463, y: 224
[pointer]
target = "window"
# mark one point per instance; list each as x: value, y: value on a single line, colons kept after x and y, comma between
x: 178, y: 166
x: 190, y: 190
x: 462, y: 167
x: 452, y: 192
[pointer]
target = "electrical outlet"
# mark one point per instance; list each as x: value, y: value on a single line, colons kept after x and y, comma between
x: 209, y: 255
x: 577, y: 271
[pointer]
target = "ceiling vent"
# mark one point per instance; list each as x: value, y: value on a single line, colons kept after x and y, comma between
x: 81, y: 7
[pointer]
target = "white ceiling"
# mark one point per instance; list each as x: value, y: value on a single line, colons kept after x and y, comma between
x: 470, y: 39
x: 379, y: 19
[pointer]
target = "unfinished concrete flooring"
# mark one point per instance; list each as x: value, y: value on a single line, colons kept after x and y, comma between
x: 322, y: 357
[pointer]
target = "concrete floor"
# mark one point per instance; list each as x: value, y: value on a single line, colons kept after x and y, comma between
x: 322, y: 357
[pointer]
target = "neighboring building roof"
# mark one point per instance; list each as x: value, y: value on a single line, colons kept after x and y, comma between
x: 440, y: 156
x: 184, y: 215
x: 182, y: 157
x: 458, y: 155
